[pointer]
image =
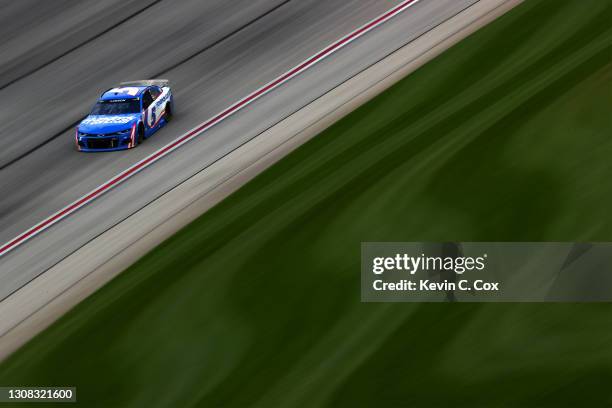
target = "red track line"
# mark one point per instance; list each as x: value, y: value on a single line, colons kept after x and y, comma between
x: 69, y: 209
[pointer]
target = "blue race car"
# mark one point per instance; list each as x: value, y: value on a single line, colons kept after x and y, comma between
x: 125, y: 116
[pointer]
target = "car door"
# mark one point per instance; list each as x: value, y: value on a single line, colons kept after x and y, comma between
x: 149, y: 110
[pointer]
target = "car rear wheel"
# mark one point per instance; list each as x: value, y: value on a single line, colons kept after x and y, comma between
x: 168, y: 113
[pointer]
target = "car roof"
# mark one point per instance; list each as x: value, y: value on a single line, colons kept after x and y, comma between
x: 126, y: 92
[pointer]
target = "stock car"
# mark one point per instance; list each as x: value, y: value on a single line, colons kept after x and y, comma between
x: 125, y: 116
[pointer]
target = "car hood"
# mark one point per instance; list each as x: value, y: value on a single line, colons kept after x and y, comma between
x: 107, y: 123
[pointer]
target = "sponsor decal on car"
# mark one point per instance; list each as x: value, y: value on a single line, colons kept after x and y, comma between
x: 126, y: 90
x: 103, y: 119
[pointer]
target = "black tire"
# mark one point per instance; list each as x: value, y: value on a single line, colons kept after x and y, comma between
x: 140, y: 137
x: 168, y: 113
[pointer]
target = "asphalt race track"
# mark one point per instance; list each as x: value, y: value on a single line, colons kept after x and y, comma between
x: 213, y: 52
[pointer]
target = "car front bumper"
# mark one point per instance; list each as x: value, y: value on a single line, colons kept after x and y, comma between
x: 103, y: 144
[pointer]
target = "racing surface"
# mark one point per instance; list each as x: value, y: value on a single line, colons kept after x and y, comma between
x: 213, y: 52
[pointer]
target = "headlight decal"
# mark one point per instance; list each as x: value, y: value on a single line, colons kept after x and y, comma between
x: 133, y: 141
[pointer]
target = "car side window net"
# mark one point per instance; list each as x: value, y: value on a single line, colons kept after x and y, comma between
x: 146, y: 100
x: 155, y: 93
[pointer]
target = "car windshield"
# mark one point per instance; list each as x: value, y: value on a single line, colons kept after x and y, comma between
x: 116, y: 107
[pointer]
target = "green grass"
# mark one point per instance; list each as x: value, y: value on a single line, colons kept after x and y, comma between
x: 507, y: 136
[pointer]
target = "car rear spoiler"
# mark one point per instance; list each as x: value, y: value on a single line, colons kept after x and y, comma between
x: 147, y: 82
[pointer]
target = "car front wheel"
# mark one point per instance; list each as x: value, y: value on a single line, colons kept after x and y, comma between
x: 140, y: 137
